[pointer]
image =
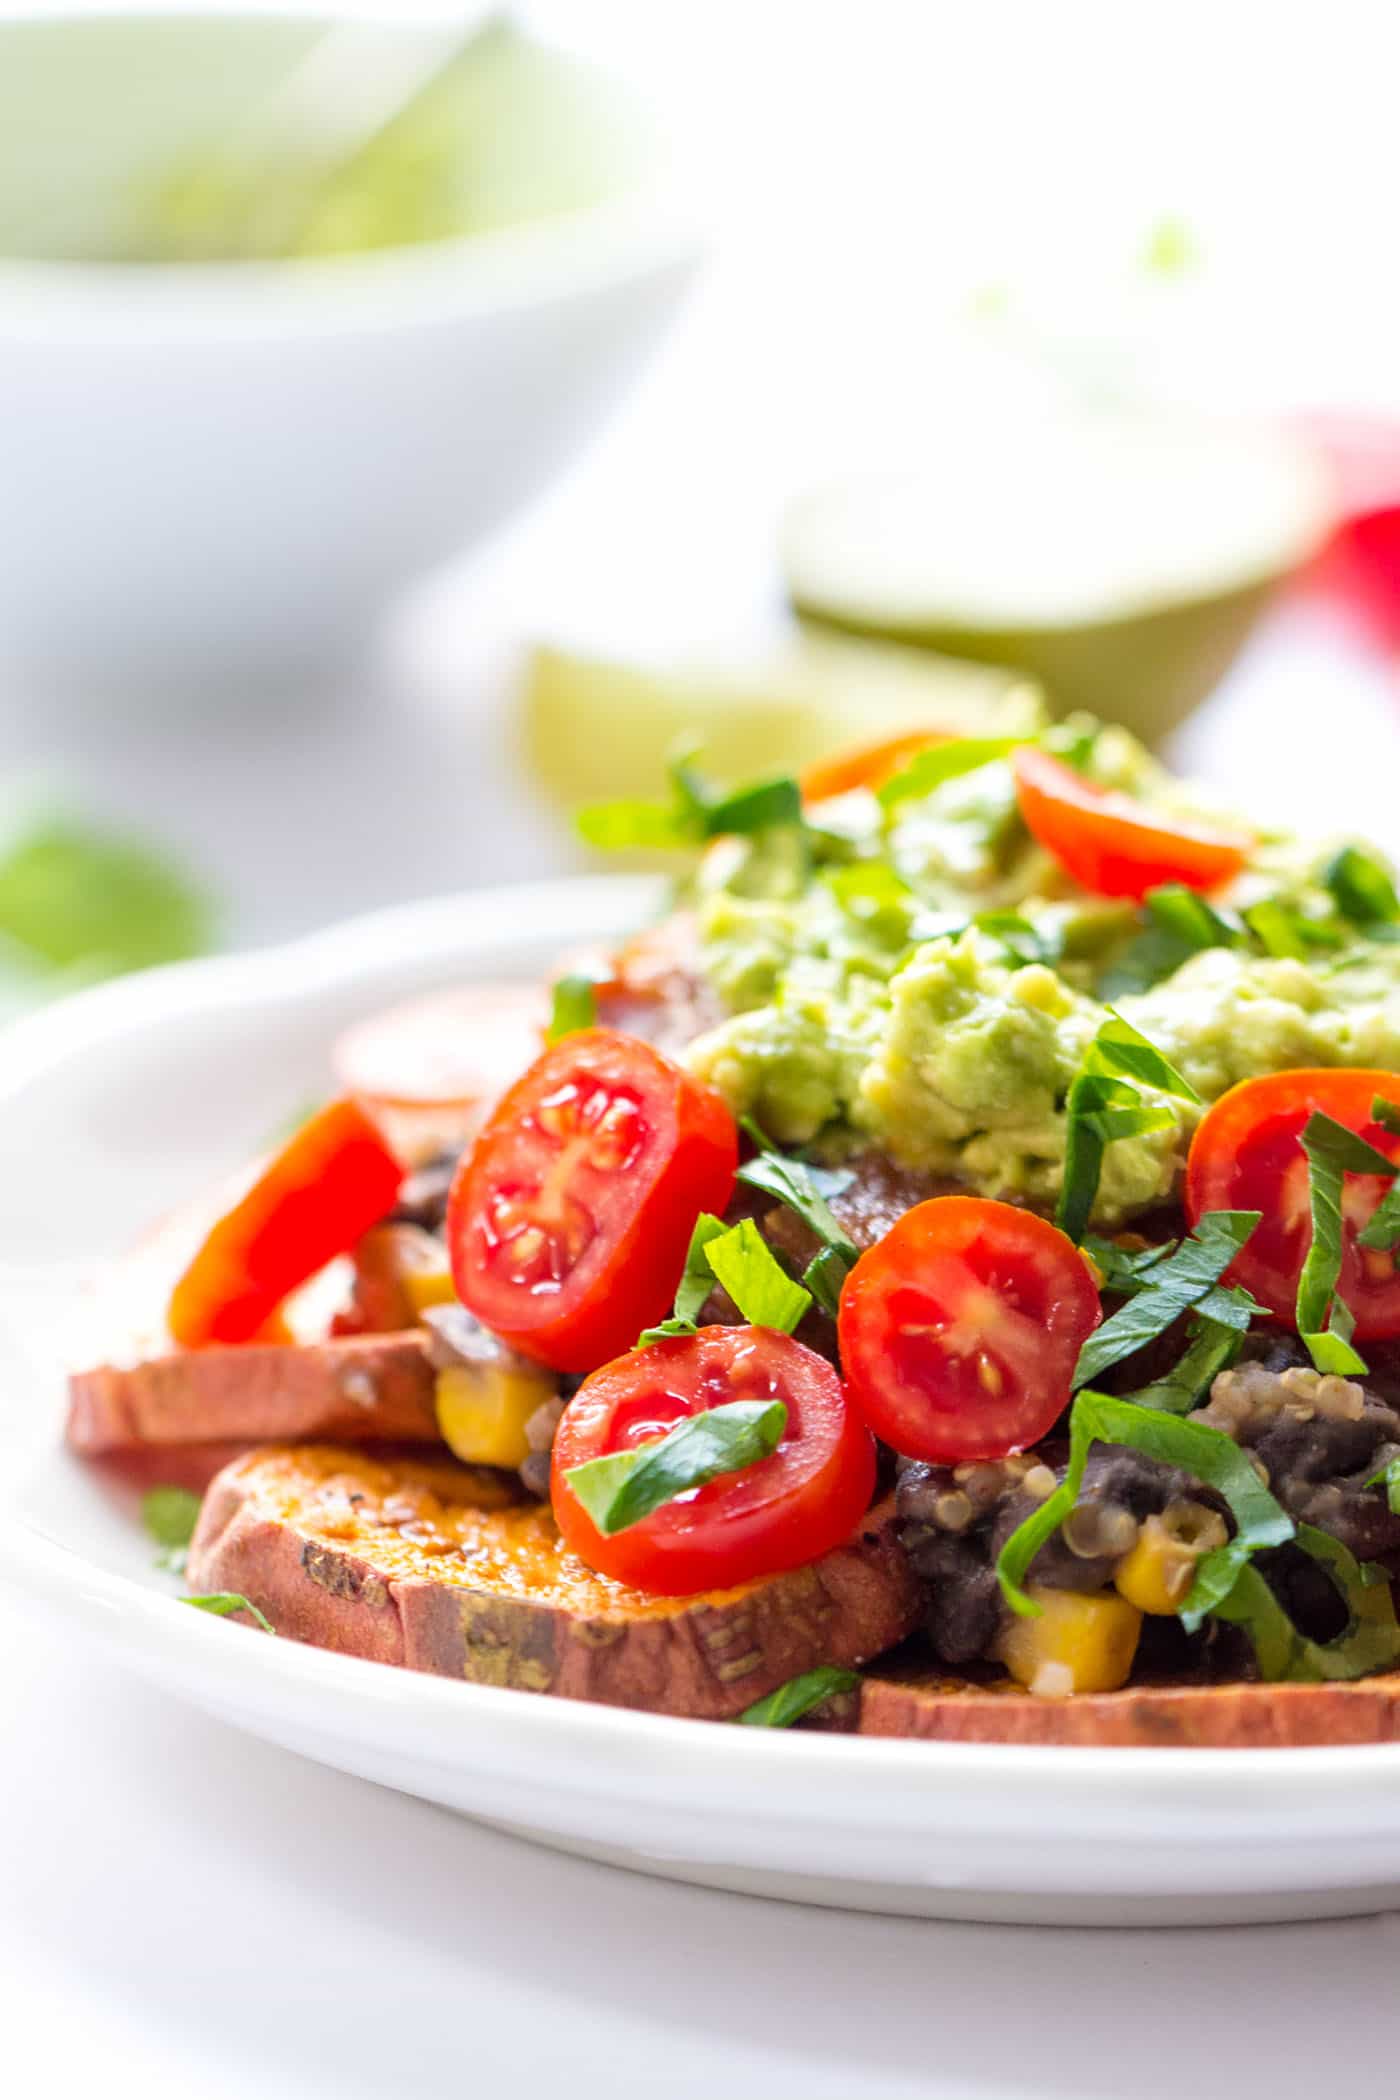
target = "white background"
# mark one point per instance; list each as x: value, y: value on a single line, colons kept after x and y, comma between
x: 182, y: 1909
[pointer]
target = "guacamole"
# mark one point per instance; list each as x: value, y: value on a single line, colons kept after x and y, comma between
x: 919, y: 976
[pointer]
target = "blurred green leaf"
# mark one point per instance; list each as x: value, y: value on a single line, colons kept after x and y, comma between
x: 1169, y: 249
x: 78, y: 903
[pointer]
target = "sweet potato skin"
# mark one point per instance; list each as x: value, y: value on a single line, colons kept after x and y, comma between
x: 493, y: 1596
x: 364, y: 1386
x: 939, y: 1708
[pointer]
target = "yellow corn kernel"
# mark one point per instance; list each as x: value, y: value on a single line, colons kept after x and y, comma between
x: 1161, y: 1567
x: 482, y: 1410
x: 1078, y: 1643
x: 425, y: 1287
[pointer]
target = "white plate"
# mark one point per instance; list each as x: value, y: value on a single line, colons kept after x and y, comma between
x: 115, y: 1105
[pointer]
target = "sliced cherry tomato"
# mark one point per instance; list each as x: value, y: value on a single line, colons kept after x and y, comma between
x: 568, y: 1224
x: 331, y: 1181
x: 1246, y: 1155
x: 454, y: 1049
x: 869, y: 766
x: 960, y: 1329
x: 781, y: 1513
x: 1111, y: 844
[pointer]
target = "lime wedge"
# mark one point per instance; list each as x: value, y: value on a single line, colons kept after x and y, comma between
x: 1119, y: 561
x: 593, y: 729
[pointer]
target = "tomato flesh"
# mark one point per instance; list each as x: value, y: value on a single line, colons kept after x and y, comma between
x: 330, y: 1182
x: 1111, y: 844
x: 960, y: 1329
x: 569, y: 1221
x: 783, y: 1512
x: 1247, y: 1155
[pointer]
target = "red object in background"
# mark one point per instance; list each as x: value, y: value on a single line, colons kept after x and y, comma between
x: 1359, y: 568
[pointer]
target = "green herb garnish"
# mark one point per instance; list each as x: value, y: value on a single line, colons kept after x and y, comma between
x: 755, y: 808
x: 1283, y: 932
x: 1387, y: 1114
x: 755, y: 1279
x: 1180, y: 923
x: 1211, y: 1347
x: 619, y: 1490
x: 1104, y: 1104
x: 1363, y: 888
x: 695, y: 812
x: 696, y: 1284
x: 799, y: 1696
x: 939, y: 762
x: 1382, y: 1229
x: 1208, y: 1454
x: 1370, y: 1641
x: 804, y: 1189
x: 1021, y: 942
x: 1183, y: 1280
x: 574, y: 1006
x: 170, y: 1515
x: 875, y: 897
x: 224, y: 1603
x: 739, y: 1258
x: 1389, y: 1478
x: 1324, y: 1322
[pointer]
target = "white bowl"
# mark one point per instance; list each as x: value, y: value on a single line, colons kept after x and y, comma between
x: 227, y: 470
x: 116, y: 1104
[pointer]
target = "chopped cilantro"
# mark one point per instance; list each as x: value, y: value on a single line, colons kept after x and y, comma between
x: 798, y: 1697
x: 622, y: 1488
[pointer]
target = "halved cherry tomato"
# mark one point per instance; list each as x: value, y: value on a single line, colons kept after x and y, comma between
x: 331, y: 1181
x: 568, y: 1223
x: 455, y: 1049
x: 1111, y: 844
x: 1246, y: 1155
x: 781, y: 1513
x: 869, y: 766
x: 960, y: 1329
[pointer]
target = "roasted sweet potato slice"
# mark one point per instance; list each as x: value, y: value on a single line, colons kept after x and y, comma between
x: 366, y: 1387
x: 136, y: 1390
x: 429, y: 1564
x: 941, y: 1708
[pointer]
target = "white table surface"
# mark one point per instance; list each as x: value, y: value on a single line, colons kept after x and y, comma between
x: 182, y: 1909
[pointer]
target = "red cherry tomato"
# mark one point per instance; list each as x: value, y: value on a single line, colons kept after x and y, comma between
x: 330, y: 1182
x: 869, y: 766
x: 960, y: 1329
x: 568, y: 1223
x: 787, y: 1510
x: 454, y: 1049
x: 1246, y: 1155
x: 1111, y: 844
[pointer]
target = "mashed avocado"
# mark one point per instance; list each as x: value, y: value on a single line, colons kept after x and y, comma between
x: 925, y: 979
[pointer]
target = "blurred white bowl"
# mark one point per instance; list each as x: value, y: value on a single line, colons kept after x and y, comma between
x: 223, y: 471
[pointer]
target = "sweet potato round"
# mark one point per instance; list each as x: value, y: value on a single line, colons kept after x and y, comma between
x: 940, y: 1708
x: 432, y: 1565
